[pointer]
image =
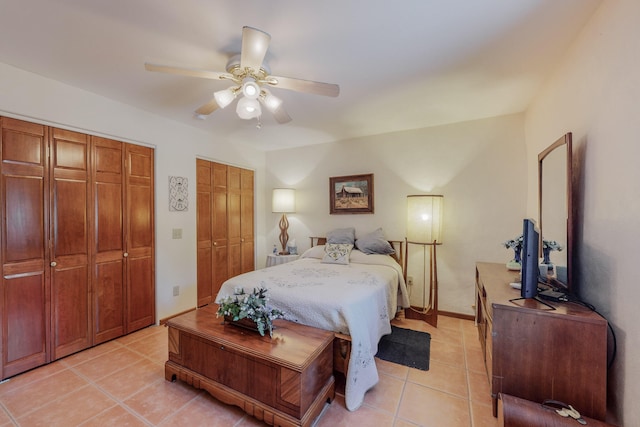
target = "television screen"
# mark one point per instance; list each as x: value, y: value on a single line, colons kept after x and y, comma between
x: 530, y: 270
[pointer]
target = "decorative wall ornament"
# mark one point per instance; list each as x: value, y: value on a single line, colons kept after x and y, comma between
x: 178, y: 194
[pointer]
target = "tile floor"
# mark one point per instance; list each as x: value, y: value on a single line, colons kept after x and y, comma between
x: 121, y: 383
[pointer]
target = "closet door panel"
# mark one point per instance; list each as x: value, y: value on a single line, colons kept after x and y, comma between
x: 220, y: 238
x: 246, y: 222
x: 204, y: 206
x: 233, y: 220
x: 70, y: 257
x: 70, y: 311
x: 108, y: 300
x: 23, y: 227
x: 25, y: 323
x: 24, y: 288
x: 234, y: 250
x: 108, y: 235
x: 140, y: 282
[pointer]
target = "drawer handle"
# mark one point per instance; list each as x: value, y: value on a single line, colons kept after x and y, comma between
x: 221, y: 347
x: 53, y: 263
x: 125, y: 254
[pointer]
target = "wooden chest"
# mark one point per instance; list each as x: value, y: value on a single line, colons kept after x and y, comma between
x: 283, y: 381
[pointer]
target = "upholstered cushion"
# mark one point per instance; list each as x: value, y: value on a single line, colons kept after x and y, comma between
x: 374, y: 243
x: 342, y: 235
x: 337, y: 253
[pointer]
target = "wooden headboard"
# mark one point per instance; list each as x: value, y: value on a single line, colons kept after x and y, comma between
x: 398, y: 245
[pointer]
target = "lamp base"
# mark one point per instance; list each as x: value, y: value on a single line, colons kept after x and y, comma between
x: 284, y: 253
x: 418, y: 313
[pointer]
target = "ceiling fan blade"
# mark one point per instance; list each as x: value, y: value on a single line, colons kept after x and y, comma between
x: 254, y: 48
x: 308, y: 86
x: 281, y: 115
x: 191, y: 72
x: 208, y: 108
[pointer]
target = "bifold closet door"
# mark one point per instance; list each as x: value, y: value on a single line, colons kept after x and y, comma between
x: 211, y: 229
x: 139, y: 238
x: 70, y: 251
x: 108, y: 240
x: 24, y: 291
x: 247, y: 245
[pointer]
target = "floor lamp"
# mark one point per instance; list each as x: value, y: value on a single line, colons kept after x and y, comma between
x: 424, y: 228
x: 283, y: 201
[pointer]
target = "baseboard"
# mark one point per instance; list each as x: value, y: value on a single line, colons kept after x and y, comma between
x: 457, y: 315
x: 166, y: 319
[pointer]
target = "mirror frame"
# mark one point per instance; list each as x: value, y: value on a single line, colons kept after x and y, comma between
x: 563, y: 142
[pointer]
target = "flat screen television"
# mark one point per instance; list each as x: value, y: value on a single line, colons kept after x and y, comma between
x: 530, y: 271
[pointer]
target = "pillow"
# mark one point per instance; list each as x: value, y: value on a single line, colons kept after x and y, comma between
x: 375, y: 243
x: 342, y: 235
x: 337, y: 253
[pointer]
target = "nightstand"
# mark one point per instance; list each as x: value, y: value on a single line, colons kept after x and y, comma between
x: 280, y: 259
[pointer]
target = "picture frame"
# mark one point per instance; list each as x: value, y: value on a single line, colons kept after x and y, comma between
x: 352, y: 194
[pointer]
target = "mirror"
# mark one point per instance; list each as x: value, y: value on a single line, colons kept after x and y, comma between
x: 555, y: 214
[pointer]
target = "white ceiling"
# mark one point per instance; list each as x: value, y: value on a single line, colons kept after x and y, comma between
x: 401, y: 64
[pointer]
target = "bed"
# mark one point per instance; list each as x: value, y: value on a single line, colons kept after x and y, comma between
x: 356, y: 296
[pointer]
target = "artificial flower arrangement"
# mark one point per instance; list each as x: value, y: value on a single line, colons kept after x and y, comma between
x: 551, y: 245
x: 516, y: 245
x: 251, y: 306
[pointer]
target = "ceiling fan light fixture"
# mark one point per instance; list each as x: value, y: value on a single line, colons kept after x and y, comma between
x: 248, y: 108
x: 224, y: 97
x: 270, y: 101
x: 250, y: 89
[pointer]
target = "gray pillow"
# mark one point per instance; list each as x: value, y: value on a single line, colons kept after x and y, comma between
x: 342, y: 235
x: 374, y: 243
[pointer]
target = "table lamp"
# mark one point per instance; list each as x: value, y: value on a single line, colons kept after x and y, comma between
x: 284, y: 202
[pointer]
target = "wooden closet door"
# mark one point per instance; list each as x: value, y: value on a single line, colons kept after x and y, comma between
x: 70, y: 255
x: 108, y: 239
x: 234, y: 196
x: 24, y: 290
x: 247, y: 251
x: 212, y: 242
x: 219, y: 225
x: 204, y: 240
x: 139, y: 237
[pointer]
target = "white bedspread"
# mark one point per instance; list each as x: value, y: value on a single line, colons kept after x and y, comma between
x: 358, y: 299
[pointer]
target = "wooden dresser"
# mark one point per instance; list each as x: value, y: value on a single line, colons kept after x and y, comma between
x: 283, y: 381
x: 536, y: 353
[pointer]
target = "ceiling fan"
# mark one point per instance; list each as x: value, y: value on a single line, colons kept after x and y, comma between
x: 251, y: 80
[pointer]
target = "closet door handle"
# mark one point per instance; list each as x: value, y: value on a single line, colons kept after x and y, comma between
x: 53, y: 263
x: 126, y: 254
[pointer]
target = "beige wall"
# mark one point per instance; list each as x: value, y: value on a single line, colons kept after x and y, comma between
x: 595, y: 93
x: 478, y: 167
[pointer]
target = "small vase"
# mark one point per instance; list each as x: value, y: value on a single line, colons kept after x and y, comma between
x: 516, y: 262
x: 546, y: 259
x: 517, y: 255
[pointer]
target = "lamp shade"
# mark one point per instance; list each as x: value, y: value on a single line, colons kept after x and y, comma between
x: 270, y: 101
x: 283, y: 200
x: 424, y: 219
x: 224, y: 97
x: 248, y: 108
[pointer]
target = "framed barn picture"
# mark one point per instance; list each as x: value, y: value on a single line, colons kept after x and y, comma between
x: 351, y: 194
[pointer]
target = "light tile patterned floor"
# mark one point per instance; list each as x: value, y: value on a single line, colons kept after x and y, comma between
x: 121, y: 383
